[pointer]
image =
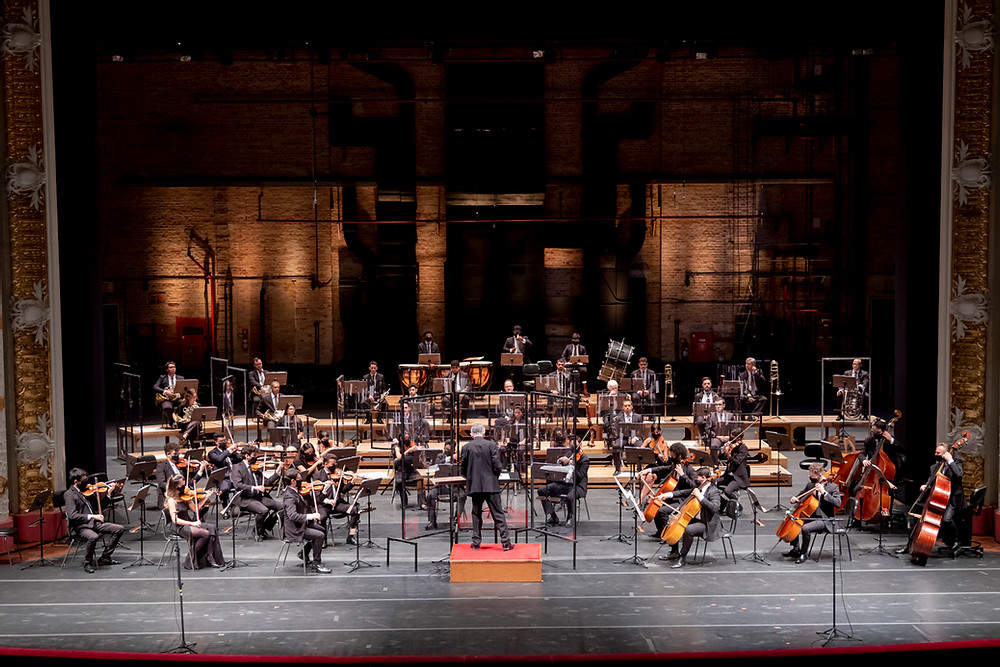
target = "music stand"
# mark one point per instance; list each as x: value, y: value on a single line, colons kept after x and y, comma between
x: 365, y: 490
x: 832, y: 632
x: 280, y: 376
x: 282, y: 435
x: 38, y: 504
x: 234, y: 562
x: 433, y: 359
x: 636, y: 559
x: 141, y: 472
x: 510, y: 359
x: 579, y: 359
x: 775, y: 440
x: 139, y: 501
x: 754, y: 556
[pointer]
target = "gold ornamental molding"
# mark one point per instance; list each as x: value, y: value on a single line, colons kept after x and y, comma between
x: 972, y: 185
x: 27, y: 304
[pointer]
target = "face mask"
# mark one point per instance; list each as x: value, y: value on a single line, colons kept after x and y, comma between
x: 938, y: 457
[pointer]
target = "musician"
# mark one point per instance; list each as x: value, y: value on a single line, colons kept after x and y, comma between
x: 878, y: 432
x: 829, y: 501
x: 413, y: 424
x: 336, y: 498
x: 753, y: 387
x: 294, y: 424
x: 225, y: 454
x: 679, y: 467
x: 514, y: 438
x: 256, y: 378
x: 717, y: 429
x: 505, y: 408
x: 610, y: 404
x: 301, y: 525
x: 269, y: 408
x: 427, y: 345
x: 574, y: 349
x: 253, y: 495
x: 164, y: 389
x: 645, y: 397
x: 573, y: 486
x: 517, y: 344
x: 481, y: 467
x: 563, y: 381
x: 737, y: 474
x: 375, y: 397
x: 228, y: 400
x: 661, y: 453
x: 445, y: 458
x: 307, y: 462
x: 89, y: 524
x: 183, y: 419
x: 627, y: 437
x: 705, y: 394
x: 190, y: 470
x: 185, y: 515
x: 407, y: 458
x: 323, y: 440
x: 707, y: 524
x: 951, y: 468
x: 862, y: 381
x: 457, y: 382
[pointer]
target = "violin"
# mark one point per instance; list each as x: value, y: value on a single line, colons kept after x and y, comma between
x: 925, y: 532
x: 189, y: 494
x: 100, y: 488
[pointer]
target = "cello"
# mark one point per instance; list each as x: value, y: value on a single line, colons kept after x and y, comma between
x: 925, y: 532
x: 873, y: 489
x: 791, y: 525
x: 688, y: 510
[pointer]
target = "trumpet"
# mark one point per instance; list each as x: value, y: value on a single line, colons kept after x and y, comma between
x: 775, y: 387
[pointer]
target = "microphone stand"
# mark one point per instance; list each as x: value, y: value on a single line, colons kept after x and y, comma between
x: 832, y: 632
x: 234, y: 562
x: 184, y: 646
x: 754, y: 556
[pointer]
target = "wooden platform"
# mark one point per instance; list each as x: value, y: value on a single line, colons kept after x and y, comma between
x: 491, y: 563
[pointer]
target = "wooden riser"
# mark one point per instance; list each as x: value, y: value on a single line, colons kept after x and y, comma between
x: 492, y: 563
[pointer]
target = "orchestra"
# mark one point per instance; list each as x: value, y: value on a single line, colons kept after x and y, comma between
x: 680, y: 499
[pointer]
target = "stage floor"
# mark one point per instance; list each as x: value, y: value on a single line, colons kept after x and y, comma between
x: 606, y: 605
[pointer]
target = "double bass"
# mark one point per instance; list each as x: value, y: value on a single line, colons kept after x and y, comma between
x: 925, y: 532
x: 873, y: 495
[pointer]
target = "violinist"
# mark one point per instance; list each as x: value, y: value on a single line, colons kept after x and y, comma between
x: 407, y: 458
x: 87, y: 523
x: 224, y: 455
x: 707, y: 523
x: 301, y: 525
x: 945, y: 464
x: 446, y: 457
x: 829, y: 500
x: 185, y: 514
x: 252, y: 496
x: 307, y: 462
x: 737, y: 474
x: 189, y: 469
x: 573, y: 486
x: 335, y: 499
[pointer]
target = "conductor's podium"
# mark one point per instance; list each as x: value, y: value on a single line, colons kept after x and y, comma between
x: 491, y: 563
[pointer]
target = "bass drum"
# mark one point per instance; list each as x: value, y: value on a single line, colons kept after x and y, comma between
x: 616, y: 361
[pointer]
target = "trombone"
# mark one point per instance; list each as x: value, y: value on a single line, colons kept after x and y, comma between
x: 775, y: 389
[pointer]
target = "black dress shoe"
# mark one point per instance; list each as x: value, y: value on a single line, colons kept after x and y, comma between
x: 508, y: 546
x: 352, y: 540
x: 552, y: 521
x: 679, y: 564
x: 475, y: 546
x: 902, y: 550
x: 431, y: 526
x: 89, y: 568
x: 801, y: 559
x: 217, y: 565
x: 320, y: 568
x: 108, y: 560
x: 794, y: 553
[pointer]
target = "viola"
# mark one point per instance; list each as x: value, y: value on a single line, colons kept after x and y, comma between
x: 925, y: 532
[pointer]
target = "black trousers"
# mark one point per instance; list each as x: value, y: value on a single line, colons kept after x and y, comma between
x: 492, y: 501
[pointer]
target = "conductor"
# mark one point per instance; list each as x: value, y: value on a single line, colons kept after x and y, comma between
x: 481, y: 467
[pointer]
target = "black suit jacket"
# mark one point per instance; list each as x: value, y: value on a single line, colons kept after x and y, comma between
x: 760, y: 390
x: 481, y: 466
x: 709, y: 515
x: 78, y: 509
x: 163, y: 382
x: 568, y: 351
x: 376, y: 383
x: 296, y: 511
x: 650, y: 381
x: 508, y: 347
x: 422, y: 348
x: 738, y: 468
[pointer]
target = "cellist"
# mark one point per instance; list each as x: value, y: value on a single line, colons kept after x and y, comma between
x: 707, y: 523
x: 829, y: 499
x: 684, y: 472
x: 947, y: 465
x: 878, y: 431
